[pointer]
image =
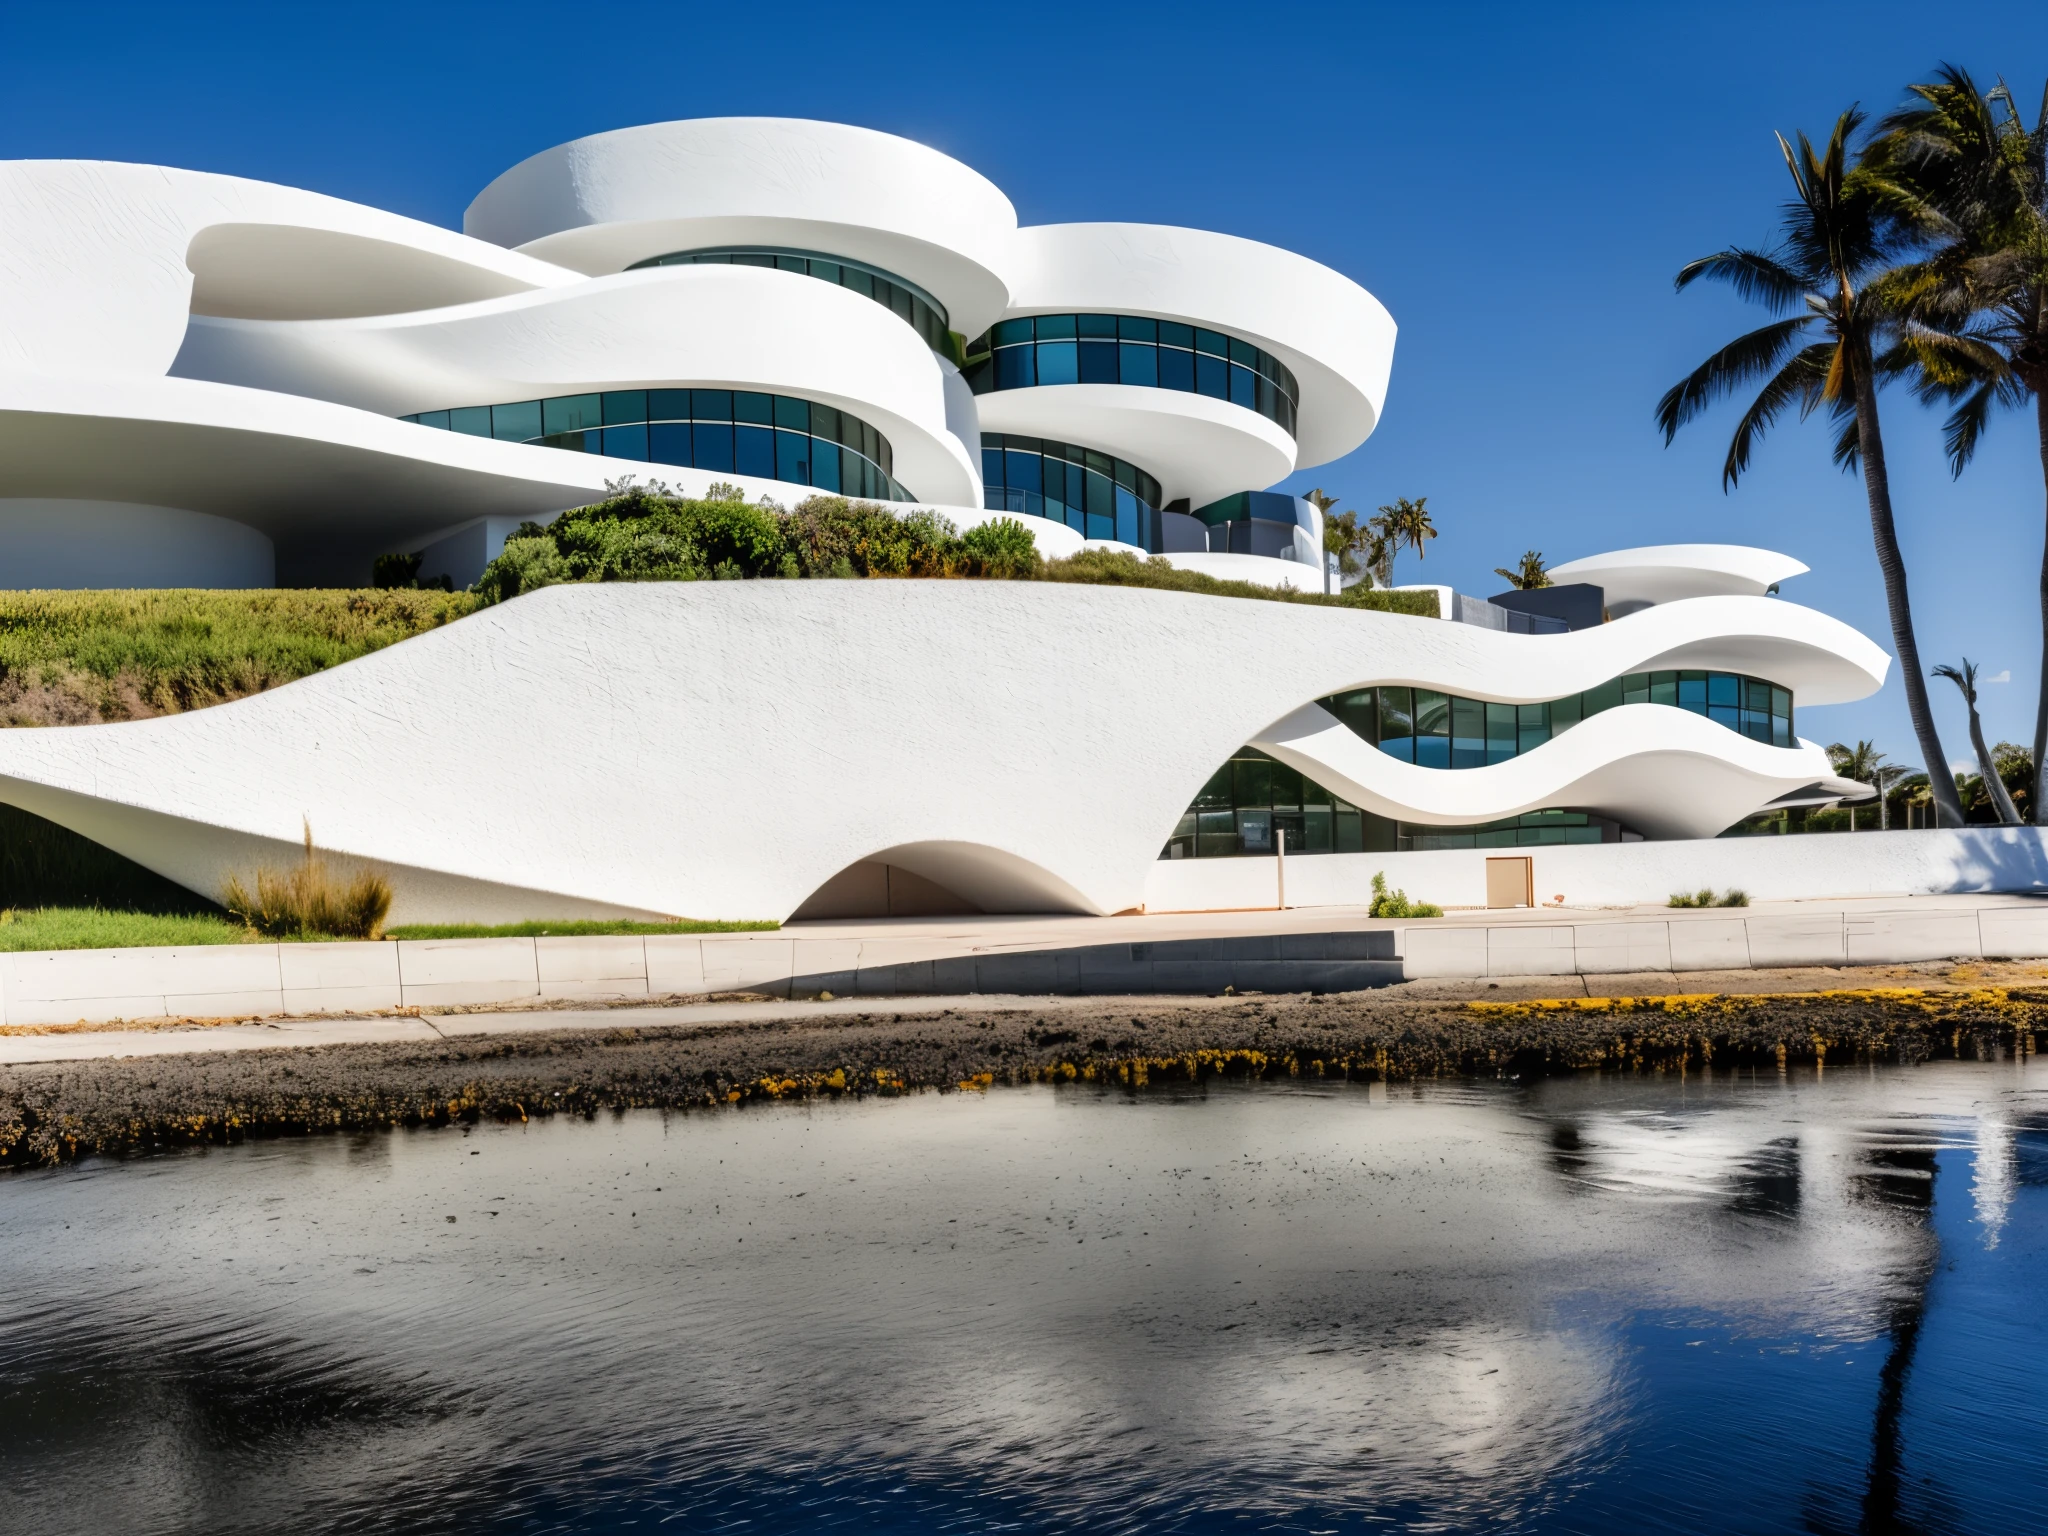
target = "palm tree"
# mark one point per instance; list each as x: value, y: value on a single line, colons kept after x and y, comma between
x: 1985, y: 290
x: 1887, y: 778
x: 1405, y: 522
x: 1343, y: 538
x: 1839, y: 239
x: 1965, y: 680
x: 1861, y: 763
x: 1527, y: 576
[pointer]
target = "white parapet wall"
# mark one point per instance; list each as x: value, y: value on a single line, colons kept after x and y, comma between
x: 1799, y: 868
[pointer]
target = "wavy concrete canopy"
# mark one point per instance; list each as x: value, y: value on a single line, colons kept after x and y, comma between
x: 94, y: 274
x: 1337, y: 338
x: 600, y: 204
x: 719, y: 327
x: 1666, y: 573
x: 724, y: 749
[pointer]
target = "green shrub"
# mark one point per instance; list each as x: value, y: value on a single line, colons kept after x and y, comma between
x: 1705, y: 897
x: 1396, y: 903
x: 644, y: 533
x: 311, y: 900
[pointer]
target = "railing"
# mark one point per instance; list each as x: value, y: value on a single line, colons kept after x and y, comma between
x: 1478, y: 611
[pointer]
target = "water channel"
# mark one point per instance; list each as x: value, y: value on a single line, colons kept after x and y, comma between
x: 1740, y: 1302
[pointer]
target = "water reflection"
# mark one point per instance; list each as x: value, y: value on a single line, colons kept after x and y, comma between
x: 1453, y: 1307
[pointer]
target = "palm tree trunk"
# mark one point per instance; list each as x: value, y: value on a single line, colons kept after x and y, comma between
x: 1877, y: 489
x: 2008, y: 813
x: 2040, y: 805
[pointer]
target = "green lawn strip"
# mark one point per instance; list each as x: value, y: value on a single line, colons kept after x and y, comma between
x: 566, y: 929
x: 98, y: 928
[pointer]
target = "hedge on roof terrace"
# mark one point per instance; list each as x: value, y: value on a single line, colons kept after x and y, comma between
x: 642, y: 533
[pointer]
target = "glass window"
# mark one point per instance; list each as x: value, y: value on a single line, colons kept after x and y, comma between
x: 1058, y: 363
x: 1244, y: 354
x: 1101, y: 506
x: 1055, y: 327
x: 1009, y: 333
x: 1096, y: 325
x: 1432, y: 713
x: 824, y: 422
x: 626, y: 442
x: 1212, y: 376
x: 1664, y: 688
x: 1724, y: 688
x: 516, y: 423
x: 1564, y: 713
x: 825, y: 464
x: 571, y: 413
x: 1244, y: 387
x: 862, y: 283
x: 668, y: 442
x: 1215, y: 343
x: 1173, y: 334
x: 1138, y: 365
x: 1014, y: 370
x: 991, y: 466
x: 754, y: 450
x: 1021, y: 470
x: 714, y: 446
x: 1468, y: 733
x: 1126, y: 516
x: 1433, y: 751
x: 1725, y: 714
x: 625, y: 406
x: 1692, y: 692
x: 1532, y: 726
x: 434, y: 419
x: 792, y: 415
x: 1132, y: 328
x: 669, y: 405
x: 827, y: 271
x: 756, y: 409
x: 793, y: 264
x: 1176, y: 369
x: 1098, y: 362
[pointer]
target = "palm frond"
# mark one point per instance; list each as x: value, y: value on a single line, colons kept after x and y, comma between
x: 1797, y: 380
x: 1752, y: 356
x: 1964, y: 428
x: 1754, y: 275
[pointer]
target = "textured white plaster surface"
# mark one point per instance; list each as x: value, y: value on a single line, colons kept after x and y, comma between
x: 721, y: 749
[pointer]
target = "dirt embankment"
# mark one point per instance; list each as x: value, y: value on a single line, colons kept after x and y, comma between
x: 52, y: 1113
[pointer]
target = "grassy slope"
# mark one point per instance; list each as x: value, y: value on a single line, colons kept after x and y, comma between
x: 70, y: 658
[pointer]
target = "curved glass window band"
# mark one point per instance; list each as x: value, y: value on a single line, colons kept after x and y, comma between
x: 916, y: 308
x: 734, y: 431
x: 1253, y: 800
x: 1038, y: 350
x: 1440, y: 730
x: 1095, y: 494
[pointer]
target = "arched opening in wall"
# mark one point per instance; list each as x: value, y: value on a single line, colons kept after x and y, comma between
x: 940, y: 879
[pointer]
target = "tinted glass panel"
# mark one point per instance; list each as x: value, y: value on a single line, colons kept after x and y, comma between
x: 1054, y: 328
x: 474, y: 420
x: 754, y: 451
x: 1058, y: 363
x: 571, y: 413
x: 625, y: 442
x: 1138, y: 365
x: 1098, y: 362
x: 1176, y: 369
x: 1212, y: 376
x: 516, y: 423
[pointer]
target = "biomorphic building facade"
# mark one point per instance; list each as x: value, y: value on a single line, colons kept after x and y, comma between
x: 207, y: 381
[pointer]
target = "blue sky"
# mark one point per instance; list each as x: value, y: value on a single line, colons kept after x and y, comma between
x: 1516, y: 183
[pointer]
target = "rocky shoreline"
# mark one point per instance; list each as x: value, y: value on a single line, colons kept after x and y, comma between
x: 57, y: 1112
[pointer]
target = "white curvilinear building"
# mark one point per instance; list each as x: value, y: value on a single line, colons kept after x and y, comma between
x: 206, y: 381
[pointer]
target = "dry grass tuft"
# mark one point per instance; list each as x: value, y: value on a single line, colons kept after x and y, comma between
x: 311, y: 899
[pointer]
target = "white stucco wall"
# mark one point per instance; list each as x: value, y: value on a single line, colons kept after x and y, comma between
x: 721, y: 749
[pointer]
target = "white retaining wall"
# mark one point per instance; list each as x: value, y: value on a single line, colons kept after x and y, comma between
x: 259, y: 980
x: 1800, y: 868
